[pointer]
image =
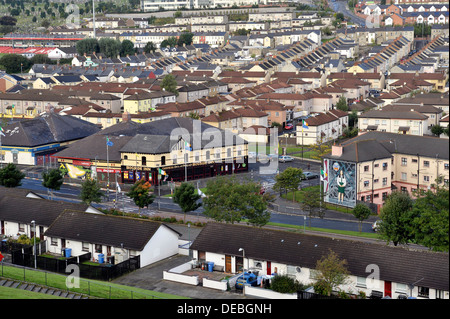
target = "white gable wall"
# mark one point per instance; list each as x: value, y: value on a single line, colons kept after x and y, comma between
x: 163, y: 244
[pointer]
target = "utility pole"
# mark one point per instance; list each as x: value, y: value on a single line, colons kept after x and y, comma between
x: 93, y: 16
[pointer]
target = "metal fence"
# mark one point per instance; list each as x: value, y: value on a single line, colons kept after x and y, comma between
x: 23, y: 255
x: 311, y: 295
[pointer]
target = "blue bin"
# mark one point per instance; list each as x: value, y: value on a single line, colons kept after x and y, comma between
x: 68, y: 252
x: 210, y: 266
x: 101, y: 258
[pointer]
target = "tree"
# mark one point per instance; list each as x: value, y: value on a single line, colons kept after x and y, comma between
x: 185, y: 38
x: 228, y: 200
x: 319, y: 150
x: 361, y: 213
x: 149, y: 47
x: 127, y: 48
x: 8, y: 20
x: 109, y: 47
x: 430, y: 222
x: 91, y: 191
x: 15, y: 63
x: 41, y: 59
x: 437, y: 130
x: 169, y: 84
x: 342, y: 104
x: 11, y: 176
x: 395, y: 218
x: 312, y: 203
x: 170, y: 42
x: 87, y: 46
x: 140, y: 193
x: 52, y: 179
x: 332, y: 272
x: 186, y: 197
x: 289, y: 180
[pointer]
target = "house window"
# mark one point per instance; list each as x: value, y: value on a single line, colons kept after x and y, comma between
x: 197, y: 156
x: 21, y: 227
x: 54, y: 241
x: 400, y: 288
x: 384, y: 195
x: 384, y: 181
x: 446, y: 166
x: 366, y: 168
x: 174, y: 158
x: 208, y: 154
x: 144, y: 161
x: 163, y: 160
x: 404, y: 190
x: 385, y: 166
x: 404, y: 176
x: 426, y: 178
x: 85, y: 246
x: 366, y: 183
x: 361, y: 282
x: 424, y: 292
x: 98, y: 248
x: 404, y: 161
x: 426, y: 163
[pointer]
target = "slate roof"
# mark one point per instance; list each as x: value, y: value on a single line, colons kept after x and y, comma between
x: 395, y: 263
x: 21, y: 209
x: 46, y: 129
x: 108, y: 230
x: 426, y: 146
x: 94, y: 146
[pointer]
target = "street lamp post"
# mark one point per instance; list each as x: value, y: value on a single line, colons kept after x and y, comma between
x: 34, y: 227
x: 243, y: 269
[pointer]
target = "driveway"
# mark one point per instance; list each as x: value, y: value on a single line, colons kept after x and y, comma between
x: 151, y: 278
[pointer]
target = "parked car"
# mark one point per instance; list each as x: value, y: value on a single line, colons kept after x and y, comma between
x: 251, y: 155
x: 310, y: 175
x: 288, y: 126
x: 246, y: 278
x: 285, y: 158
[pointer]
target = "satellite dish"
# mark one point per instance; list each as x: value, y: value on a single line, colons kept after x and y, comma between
x: 298, y: 269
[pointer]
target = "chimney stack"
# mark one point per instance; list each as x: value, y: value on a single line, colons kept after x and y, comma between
x: 336, y: 150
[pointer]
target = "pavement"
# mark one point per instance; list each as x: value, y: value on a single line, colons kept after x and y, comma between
x: 151, y: 277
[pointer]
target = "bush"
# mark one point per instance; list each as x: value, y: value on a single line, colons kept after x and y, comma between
x: 320, y: 287
x: 285, y: 284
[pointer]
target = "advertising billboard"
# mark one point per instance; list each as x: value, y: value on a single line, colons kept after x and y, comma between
x: 340, y: 187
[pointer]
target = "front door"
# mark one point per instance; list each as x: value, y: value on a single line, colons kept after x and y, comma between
x: 227, y: 264
x: 2, y: 228
x: 41, y: 232
x: 388, y: 288
x: 269, y: 268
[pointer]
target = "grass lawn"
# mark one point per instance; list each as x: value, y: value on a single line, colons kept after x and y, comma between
x: 329, y: 231
x: 299, y: 197
x: 14, y: 293
x: 93, y: 288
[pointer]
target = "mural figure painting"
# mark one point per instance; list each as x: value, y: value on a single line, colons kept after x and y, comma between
x: 341, y: 186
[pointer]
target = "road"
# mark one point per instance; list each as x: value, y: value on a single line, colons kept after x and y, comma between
x: 285, y: 212
x: 342, y: 6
